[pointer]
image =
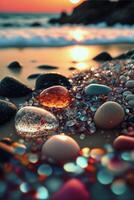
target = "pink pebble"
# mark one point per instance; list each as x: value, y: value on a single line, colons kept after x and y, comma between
x: 72, y: 190
x: 124, y: 143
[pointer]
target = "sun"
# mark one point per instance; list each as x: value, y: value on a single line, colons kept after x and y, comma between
x: 75, y: 1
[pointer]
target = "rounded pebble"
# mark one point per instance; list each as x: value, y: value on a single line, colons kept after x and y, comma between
x: 97, y: 89
x: 131, y: 103
x: 14, y: 65
x: 130, y: 84
x: 61, y: 148
x: 48, y: 80
x: 124, y: 143
x: 109, y: 115
x: 55, y: 97
x: 35, y: 122
x: 130, y: 97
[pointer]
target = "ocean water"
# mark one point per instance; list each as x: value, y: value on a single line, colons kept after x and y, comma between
x: 18, y: 30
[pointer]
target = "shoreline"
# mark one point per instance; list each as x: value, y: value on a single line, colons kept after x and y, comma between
x: 71, y: 45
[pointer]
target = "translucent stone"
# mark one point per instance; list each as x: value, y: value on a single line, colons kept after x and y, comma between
x: 55, y: 97
x: 33, y: 122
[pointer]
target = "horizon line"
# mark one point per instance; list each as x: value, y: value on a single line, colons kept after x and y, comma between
x: 30, y: 12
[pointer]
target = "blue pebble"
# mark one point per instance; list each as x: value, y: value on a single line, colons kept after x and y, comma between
x: 97, y: 89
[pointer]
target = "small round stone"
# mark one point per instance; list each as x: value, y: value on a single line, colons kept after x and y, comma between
x: 14, y: 65
x: 97, y: 89
x: 55, y: 97
x: 126, y: 93
x: 61, y: 148
x: 109, y: 115
x: 33, y: 122
x: 130, y: 84
x: 124, y: 143
x: 130, y: 97
x: 131, y: 103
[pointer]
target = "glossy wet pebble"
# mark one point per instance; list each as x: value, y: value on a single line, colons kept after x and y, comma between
x: 103, y: 56
x: 130, y: 84
x: 109, y: 115
x: 97, y: 89
x: 11, y: 87
x: 61, y: 148
x: 14, y: 65
x: 131, y: 103
x: 7, y: 111
x: 130, y: 97
x: 124, y: 143
x: 55, y: 97
x: 48, y: 80
x: 126, y: 93
x: 73, y: 189
x: 33, y: 122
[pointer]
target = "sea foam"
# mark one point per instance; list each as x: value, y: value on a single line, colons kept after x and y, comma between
x: 66, y: 35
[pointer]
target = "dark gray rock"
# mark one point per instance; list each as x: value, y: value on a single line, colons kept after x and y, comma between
x: 47, y: 67
x: 104, y: 56
x: 72, y: 68
x: 7, y: 111
x: 36, y: 24
x: 47, y: 80
x: 15, y: 67
x: 127, y: 55
x: 11, y: 87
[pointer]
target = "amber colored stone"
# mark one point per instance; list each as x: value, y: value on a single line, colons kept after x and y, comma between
x: 55, y: 97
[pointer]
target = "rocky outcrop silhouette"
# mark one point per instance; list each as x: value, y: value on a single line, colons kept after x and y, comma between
x: 96, y: 11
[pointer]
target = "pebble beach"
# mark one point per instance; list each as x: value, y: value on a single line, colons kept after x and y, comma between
x: 69, y: 135
x: 67, y: 100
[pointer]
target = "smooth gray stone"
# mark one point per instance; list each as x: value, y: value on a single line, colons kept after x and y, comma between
x: 97, y: 89
x: 130, y: 84
x: 131, y: 103
x: 130, y: 97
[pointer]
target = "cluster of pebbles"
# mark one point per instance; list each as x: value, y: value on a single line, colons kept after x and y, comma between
x: 56, y: 109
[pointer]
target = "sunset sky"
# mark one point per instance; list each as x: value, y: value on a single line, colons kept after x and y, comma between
x: 37, y: 5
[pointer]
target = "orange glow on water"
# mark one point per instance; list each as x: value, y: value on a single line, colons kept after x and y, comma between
x: 79, y: 53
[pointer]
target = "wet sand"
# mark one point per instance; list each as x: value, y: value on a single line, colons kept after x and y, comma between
x: 79, y: 57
